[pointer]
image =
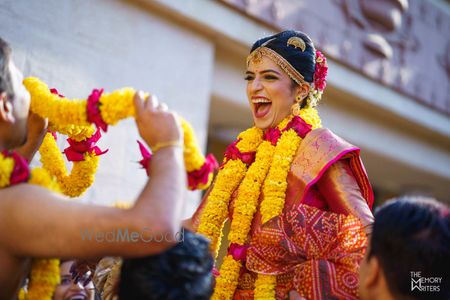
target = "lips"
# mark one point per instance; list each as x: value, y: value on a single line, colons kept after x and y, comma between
x: 261, y: 106
x: 77, y: 297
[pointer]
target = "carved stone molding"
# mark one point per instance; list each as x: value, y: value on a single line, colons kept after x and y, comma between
x: 403, y: 44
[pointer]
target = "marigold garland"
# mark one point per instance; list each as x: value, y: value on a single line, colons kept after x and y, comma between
x: 69, y: 116
x: 44, y: 272
x: 267, y: 173
x: 231, y: 174
x: 82, y: 174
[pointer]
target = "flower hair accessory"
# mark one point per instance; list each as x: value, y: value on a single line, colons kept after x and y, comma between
x: 320, y: 81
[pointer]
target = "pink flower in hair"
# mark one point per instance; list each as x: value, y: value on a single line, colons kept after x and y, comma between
x: 321, y: 72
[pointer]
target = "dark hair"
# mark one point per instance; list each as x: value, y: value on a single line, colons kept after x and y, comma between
x: 182, y: 272
x: 5, y: 75
x: 303, y: 61
x: 413, y: 235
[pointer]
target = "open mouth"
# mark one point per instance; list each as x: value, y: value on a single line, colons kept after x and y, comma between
x: 77, y: 297
x: 261, y: 106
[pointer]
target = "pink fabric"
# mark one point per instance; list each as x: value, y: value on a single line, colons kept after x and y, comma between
x: 77, y: 150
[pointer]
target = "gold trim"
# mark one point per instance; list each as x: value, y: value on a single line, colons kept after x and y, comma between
x: 258, y: 53
x: 297, y: 43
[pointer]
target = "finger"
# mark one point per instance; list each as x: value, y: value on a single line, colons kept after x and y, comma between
x: 163, y: 107
x: 152, y: 102
x: 138, y: 100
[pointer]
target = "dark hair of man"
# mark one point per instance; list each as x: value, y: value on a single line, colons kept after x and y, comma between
x: 5, y: 75
x: 182, y: 272
x: 413, y: 235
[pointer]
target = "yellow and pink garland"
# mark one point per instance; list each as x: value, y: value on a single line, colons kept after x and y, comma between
x: 256, y: 162
x: 103, y: 109
x: 75, y: 118
x: 45, y: 272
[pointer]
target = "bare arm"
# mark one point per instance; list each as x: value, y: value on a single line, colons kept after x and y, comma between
x: 35, y: 222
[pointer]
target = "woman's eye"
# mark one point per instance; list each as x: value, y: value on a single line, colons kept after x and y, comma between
x: 248, y: 78
x: 66, y: 281
x: 270, y: 77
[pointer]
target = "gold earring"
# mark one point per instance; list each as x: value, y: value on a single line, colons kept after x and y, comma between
x: 295, y: 108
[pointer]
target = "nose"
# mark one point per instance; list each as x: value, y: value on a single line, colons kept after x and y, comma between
x: 256, y: 85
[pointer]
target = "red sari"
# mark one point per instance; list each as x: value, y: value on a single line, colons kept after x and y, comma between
x: 316, y: 245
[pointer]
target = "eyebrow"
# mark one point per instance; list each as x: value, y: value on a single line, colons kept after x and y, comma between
x: 264, y: 72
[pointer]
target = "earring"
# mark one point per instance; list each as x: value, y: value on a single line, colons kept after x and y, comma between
x: 295, y: 108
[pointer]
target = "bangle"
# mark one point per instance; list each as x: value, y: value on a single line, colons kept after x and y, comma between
x: 167, y: 144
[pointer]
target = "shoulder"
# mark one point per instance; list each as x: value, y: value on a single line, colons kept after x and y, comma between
x: 324, y: 136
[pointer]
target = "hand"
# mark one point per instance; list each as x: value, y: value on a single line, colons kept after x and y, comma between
x: 155, y: 122
x: 294, y: 295
x: 37, y: 127
x: 83, y: 271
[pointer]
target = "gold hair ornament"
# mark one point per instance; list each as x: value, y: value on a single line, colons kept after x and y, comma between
x: 297, y: 42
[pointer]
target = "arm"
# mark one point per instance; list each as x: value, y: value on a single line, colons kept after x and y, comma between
x: 342, y: 193
x: 35, y: 222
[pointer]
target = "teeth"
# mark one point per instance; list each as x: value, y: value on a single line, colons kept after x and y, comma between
x: 261, y: 101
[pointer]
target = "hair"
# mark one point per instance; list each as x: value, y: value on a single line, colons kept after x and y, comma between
x: 303, y: 61
x: 182, y: 272
x: 5, y: 74
x: 413, y: 235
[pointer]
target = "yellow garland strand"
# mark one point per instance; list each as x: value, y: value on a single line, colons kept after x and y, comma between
x: 68, y: 116
x: 44, y: 272
x: 269, y: 171
x: 44, y: 278
x: 6, y: 168
x: 215, y: 211
x: 265, y: 287
x: 82, y: 175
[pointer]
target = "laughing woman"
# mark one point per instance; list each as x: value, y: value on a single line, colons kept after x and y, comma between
x: 297, y: 195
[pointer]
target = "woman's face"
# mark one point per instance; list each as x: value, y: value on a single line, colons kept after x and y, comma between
x: 67, y: 289
x: 270, y: 92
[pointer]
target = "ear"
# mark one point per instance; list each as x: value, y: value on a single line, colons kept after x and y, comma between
x: 374, y: 272
x: 302, y: 90
x: 6, y: 109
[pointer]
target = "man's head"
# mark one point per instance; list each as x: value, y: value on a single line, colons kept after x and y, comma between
x: 14, y: 102
x: 409, y: 235
x: 182, y: 272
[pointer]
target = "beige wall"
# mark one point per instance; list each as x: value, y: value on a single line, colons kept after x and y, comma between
x: 191, y: 53
x: 79, y: 45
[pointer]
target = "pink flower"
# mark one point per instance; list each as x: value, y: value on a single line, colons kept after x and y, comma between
x: 146, y: 156
x: 93, y: 110
x: 299, y: 125
x: 272, y: 135
x: 55, y: 91
x: 76, y: 150
x: 21, y: 171
x: 321, y: 72
x: 239, y: 252
x: 201, y: 176
x: 233, y: 152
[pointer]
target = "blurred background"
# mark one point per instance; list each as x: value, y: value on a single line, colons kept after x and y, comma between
x: 388, y: 87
